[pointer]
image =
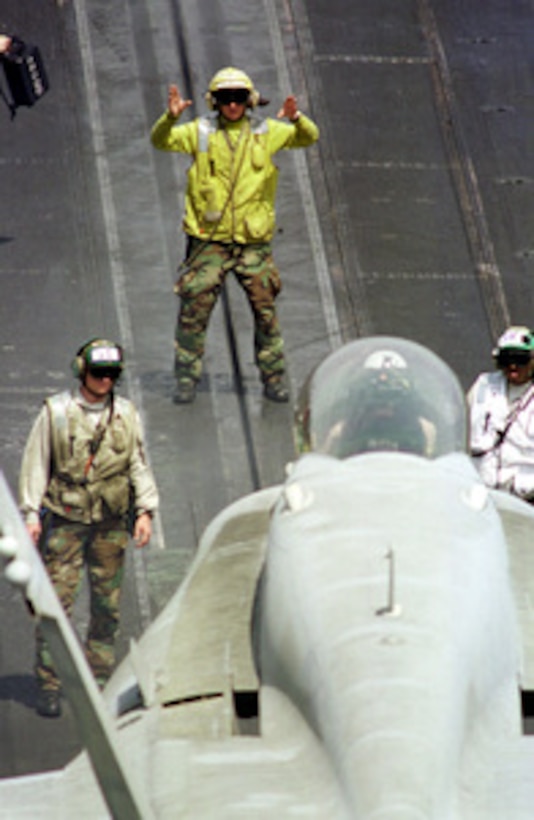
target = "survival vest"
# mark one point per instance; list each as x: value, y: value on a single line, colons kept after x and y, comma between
x: 86, y: 486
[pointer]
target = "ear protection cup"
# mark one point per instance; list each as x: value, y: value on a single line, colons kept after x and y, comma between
x: 210, y: 102
x: 78, y: 364
x: 253, y: 98
x: 78, y: 367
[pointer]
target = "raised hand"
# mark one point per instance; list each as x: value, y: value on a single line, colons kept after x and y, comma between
x: 175, y: 102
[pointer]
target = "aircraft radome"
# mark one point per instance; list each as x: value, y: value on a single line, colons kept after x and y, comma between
x: 350, y: 644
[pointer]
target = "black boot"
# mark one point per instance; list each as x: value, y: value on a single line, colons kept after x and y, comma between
x: 275, y: 390
x: 48, y: 703
x: 186, y: 390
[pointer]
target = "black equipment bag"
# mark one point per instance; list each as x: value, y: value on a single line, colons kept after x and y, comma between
x: 25, y: 74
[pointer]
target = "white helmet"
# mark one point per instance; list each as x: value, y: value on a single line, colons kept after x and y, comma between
x: 517, y: 337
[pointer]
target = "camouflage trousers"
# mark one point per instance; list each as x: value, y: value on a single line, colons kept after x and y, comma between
x: 206, y: 267
x: 67, y: 548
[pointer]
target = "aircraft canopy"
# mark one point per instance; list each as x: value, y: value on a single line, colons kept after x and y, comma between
x: 382, y: 394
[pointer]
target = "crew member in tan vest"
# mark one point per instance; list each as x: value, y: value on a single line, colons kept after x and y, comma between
x: 85, y: 488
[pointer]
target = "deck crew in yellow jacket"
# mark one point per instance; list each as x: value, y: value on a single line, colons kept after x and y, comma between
x: 229, y: 217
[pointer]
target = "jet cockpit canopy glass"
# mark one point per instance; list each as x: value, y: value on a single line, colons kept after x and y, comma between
x: 382, y: 394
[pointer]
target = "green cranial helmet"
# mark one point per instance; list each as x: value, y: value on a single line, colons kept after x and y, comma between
x: 98, y: 354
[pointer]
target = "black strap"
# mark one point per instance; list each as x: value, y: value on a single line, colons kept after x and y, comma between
x: 96, y: 441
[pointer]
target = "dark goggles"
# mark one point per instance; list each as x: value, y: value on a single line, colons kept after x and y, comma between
x: 231, y: 95
x: 104, y: 372
x: 505, y: 358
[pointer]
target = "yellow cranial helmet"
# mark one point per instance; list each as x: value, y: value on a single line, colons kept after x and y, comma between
x: 231, y: 78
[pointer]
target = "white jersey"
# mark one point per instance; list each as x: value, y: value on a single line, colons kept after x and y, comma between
x: 502, y: 433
